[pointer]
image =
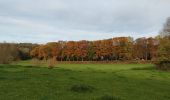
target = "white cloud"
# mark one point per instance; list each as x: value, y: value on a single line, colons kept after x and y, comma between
x: 51, y: 20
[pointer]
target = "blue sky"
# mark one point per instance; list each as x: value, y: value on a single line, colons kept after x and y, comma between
x: 41, y: 21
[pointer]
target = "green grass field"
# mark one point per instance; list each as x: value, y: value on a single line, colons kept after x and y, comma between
x: 21, y: 81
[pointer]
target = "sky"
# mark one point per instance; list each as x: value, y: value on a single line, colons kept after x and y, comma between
x: 42, y: 21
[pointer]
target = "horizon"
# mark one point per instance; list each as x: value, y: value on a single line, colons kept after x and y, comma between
x: 13, y: 42
x: 44, y: 21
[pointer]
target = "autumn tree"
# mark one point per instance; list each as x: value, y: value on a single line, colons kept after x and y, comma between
x: 97, y: 49
x: 119, y: 48
x: 106, y: 49
x: 62, y: 47
x: 42, y: 52
x: 83, y: 49
x: 152, y: 48
x: 140, y: 50
x: 35, y: 52
x: 122, y: 48
x: 125, y: 48
x: 55, y: 49
x: 69, y: 50
x: 8, y: 53
x: 90, y: 51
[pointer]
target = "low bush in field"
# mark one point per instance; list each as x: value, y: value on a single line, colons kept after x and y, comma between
x: 143, y: 68
x: 82, y: 88
x: 108, y: 97
x: 163, y: 65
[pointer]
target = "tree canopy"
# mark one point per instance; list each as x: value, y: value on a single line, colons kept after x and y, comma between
x: 119, y: 48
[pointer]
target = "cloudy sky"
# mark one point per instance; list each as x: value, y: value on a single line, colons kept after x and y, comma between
x: 41, y: 21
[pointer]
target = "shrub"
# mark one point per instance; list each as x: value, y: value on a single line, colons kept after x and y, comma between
x: 143, y: 68
x: 108, y: 97
x: 163, y: 65
x: 81, y: 88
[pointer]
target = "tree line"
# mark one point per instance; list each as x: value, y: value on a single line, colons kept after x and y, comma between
x: 118, y: 48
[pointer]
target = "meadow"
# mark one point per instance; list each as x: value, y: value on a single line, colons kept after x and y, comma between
x: 23, y: 81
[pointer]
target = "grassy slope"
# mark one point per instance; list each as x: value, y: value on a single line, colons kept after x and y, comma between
x: 126, y: 81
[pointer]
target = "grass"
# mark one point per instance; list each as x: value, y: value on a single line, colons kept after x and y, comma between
x: 22, y: 81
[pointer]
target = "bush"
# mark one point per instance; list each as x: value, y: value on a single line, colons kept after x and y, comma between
x: 163, y: 65
x: 81, y: 88
x: 108, y: 97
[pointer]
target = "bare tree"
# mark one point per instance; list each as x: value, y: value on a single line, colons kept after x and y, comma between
x: 166, y: 29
